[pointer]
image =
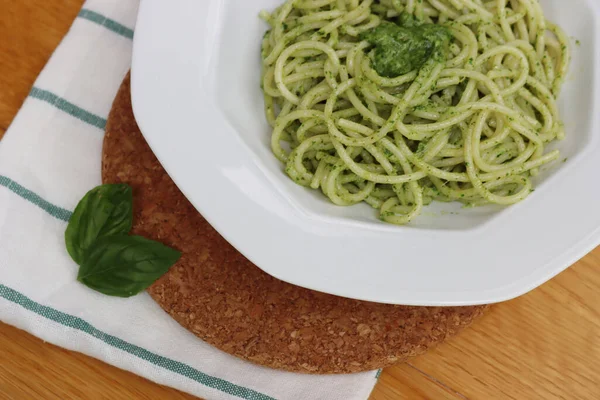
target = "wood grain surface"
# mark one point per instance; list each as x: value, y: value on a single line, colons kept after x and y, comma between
x: 545, y: 345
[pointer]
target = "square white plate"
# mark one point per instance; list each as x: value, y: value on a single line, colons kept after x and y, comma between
x: 197, y: 98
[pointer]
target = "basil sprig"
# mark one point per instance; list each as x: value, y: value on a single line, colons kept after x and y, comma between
x: 111, y: 261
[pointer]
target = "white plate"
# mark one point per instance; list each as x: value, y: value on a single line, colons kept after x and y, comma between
x: 197, y: 98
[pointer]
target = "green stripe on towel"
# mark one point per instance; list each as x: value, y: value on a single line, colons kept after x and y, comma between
x: 160, y: 361
x: 68, y: 107
x: 108, y: 23
x: 55, y: 211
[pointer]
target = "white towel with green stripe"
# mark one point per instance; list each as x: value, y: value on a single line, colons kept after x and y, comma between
x: 49, y: 158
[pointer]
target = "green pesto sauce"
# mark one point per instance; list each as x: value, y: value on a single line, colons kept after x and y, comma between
x: 406, y: 46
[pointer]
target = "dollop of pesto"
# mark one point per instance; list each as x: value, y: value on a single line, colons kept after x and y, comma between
x: 406, y: 45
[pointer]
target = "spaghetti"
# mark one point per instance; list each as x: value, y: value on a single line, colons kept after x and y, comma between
x: 398, y: 103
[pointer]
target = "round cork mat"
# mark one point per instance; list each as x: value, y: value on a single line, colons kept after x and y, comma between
x: 225, y: 300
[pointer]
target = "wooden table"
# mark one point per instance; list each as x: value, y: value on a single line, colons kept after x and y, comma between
x: 545, y: 345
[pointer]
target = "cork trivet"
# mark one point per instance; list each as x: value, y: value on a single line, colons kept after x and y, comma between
x: 228, y: 302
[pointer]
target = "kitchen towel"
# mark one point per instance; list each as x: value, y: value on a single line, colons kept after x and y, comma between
x: 49, y: 158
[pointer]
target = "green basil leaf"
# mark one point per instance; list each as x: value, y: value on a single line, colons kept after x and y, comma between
x: 104, y: 211
x: 124, y: 266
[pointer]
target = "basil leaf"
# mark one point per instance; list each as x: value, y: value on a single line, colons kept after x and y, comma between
x: 124, y: 266
x: 105, y: 210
